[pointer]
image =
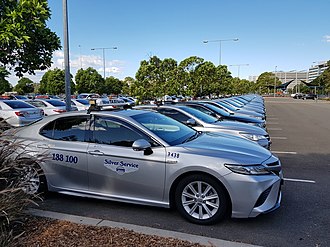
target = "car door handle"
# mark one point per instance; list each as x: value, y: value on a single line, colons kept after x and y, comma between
x: 96, y: 152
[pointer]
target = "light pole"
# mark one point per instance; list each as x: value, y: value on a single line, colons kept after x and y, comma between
x: 219, y: 41
x: 103, y: 52
x: 239, y: 66
x: 275, y: 81
x: 66, y: 56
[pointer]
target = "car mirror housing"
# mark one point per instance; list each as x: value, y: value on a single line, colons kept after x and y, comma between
x: 142, y: 145
x: 191, y: 122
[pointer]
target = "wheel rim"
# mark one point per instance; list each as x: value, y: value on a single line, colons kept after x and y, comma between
x: 200, y: 200
x: 31, y: 181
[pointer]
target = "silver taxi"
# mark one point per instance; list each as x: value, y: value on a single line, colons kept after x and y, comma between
x: 147, y: 158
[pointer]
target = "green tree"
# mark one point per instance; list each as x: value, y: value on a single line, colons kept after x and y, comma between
x: 111, y: 85
x: 24, y: 86
x: 127, y: 85
x: 5, y: 86
x: 88, y: 81
x: 26, y: 43
x: 53, y: 82
x: 206, y: 76
x: 266, y: 82
x: 187, y: 76
x: 324, y: 79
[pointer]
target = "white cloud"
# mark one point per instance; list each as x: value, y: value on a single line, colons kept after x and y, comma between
x: 76, y: 62
x: 327, y: 38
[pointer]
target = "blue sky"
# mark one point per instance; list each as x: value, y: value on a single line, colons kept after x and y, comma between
x: 289, y: 34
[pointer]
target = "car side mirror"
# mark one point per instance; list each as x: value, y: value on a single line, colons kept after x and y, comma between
x: 142, y: 145
x: 191, y: 122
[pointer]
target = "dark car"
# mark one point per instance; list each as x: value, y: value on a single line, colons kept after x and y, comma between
x: 309, y: 96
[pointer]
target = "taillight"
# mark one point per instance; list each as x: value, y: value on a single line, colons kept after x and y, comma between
x: 19, y: 113
x: 59, y: 110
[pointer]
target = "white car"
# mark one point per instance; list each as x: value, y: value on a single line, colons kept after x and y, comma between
x: 50, y: 106
x: 18, y: 113
x: 81, y: 104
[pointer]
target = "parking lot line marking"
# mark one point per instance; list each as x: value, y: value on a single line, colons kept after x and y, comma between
x: 299, y: 180
x: 272, y: 118
x: 272, y: 123
x: 274, y: 129
x: 279, y: 138
x: 283, y: 152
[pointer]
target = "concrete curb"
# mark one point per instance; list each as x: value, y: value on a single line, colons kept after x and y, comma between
x: 213, y: 242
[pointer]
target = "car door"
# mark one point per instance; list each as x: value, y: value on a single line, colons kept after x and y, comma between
x: 116, y: 170
x: 65, y: 148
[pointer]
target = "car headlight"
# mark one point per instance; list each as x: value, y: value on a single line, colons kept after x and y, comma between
x: 253, y: 137
x: 248, y: 169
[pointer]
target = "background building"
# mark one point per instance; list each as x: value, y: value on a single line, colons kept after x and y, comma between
x: 316, y: 70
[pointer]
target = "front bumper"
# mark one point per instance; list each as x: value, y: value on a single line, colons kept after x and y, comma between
x: 254, y: 195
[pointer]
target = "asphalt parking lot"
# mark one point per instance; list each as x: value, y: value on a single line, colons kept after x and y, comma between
x: 300, y: 135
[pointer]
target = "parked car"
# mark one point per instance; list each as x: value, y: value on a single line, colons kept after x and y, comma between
x: 221, y: 113
x: 309, y: 96
x: 18, y: 113
x: 297, y: 95
x: 147, y: 158
x: 81, y: 104
x: 51, y: 106
x: 203, y: 122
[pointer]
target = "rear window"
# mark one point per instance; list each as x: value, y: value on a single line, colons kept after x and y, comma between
x: 56, y: 102
x: 16, y: 104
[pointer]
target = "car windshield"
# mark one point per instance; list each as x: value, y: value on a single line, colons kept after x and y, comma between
x: 200, y: 115
x: 56, y: 102
x: 228, y: 106
x: 16, y: 104
x: 166, y: 128
x: 218, y: 110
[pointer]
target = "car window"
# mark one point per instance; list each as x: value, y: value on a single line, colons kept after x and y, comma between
x: 114, y: 132
x: 174, y: 114
x: 66, y: 129
x: 166, y: 128
x: 200, y: 115
x: 37, y: 103
x: 56, y: 102
x: 16, y: 104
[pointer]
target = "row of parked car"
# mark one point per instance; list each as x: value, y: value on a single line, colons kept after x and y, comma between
x: 19, y: 110
x: 187, y: 156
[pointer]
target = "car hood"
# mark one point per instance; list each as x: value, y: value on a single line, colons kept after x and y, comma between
x: 231, y: 148
x: 238, y: 126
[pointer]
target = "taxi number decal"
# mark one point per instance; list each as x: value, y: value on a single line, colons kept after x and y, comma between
x: 66, y: 158
x: 173, y: 155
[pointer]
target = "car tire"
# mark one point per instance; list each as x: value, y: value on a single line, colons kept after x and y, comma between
x: 201, y: 199
x: 35, y: 182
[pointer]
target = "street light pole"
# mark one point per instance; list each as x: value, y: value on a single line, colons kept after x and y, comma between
x: 66, y: 56
x: 275, y: 81
x: 239, y: 66
x: 103, y: 53
x: 219, y: 41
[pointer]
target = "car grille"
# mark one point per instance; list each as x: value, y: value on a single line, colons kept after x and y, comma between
x: 262, y: 198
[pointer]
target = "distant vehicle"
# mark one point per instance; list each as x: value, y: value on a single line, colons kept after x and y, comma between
x: 81, y: 104
x: 51, y: 106
x: 309, y: 96
x: 18, y: 113
x: 88, y: 96
x: 297, y: 95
